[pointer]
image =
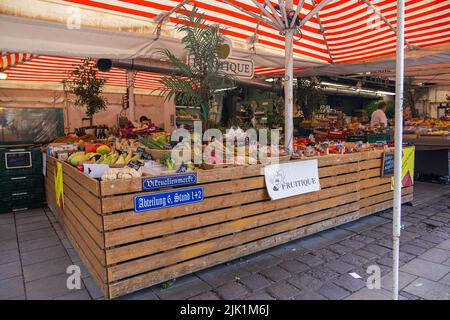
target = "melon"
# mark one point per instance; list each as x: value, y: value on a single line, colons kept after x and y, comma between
x: 103, y: 149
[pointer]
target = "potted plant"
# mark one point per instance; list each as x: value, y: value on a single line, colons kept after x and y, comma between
x: 87, y: 87
x: 196, y: 80
x: 412, y: 94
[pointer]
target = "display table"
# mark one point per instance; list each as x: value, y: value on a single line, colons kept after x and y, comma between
x: 126, y: 251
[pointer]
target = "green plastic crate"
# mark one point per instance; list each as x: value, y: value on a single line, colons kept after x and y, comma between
x: 36, y: 160
x: 30, y: 182
x: 20, y: 200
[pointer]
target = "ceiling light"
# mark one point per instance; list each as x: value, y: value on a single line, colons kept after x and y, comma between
x: 3, y: 76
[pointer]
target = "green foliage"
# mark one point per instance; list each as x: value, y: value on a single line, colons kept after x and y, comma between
x: 309, y: 95
x: 275, y: 116
x: 412, y: 94
x: 87, y: 87
x: 195, y: 81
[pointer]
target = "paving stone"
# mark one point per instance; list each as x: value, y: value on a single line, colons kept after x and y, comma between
x: 31, y: 220
x: 322, y: 273
x: 294, y: 266
x: 6, y: 219
x: 429, y: 290
x: 288, y: 254
x: 436, y: 255
x: 27, y: 246
x: 356, y: 226
x: 447, y: 263
x: 366, y: 254
x: 305, y: 282
x: 354, y: 259
x: 445, y: 280
x: 11, y: 288
x: 386, y: 261
x: 444, y: 245
x: 409, y: 248
x: 325, y: 254
x: 315, y: 242
x: 6, y: 245
x: 33, y: 226
x: 349, y: 283
x: 275, y: 273
x: 206, y: 296
x: 377, y: 249
x: 261, y: 295
x: 73, y: 255
x: 333, y: 292
x: 10, y: 270
x: 48, y: 288
x: 283, y: 291
x: 339, y: 248
x: 309, y: 295
x: 339, y: 266
x: 40, y: 255
x: 261, y: 262
x: 8, y: 256
x: 426, y: 269
x: 443, y: 219
x: 232, y: 291
x: 364, y: 238
x: 7, y: 232
x: 336, y: 234
x: 371, y: 294
x: 310, y: 260
x: 403, y: 280
x: 36, y: 234
x: 433, y: 223
x: 67, y: 244
x: 222, y: 274
x: 255, y: 282
x: 387, y: 242
x: 422, y: 243
x: 351, y: 243
x: 45, y: 269
x: 144, y: 294
x: 77, y: 295
x: 184, y: 291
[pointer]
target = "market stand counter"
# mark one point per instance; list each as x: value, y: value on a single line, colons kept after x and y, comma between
x: 126, y: 251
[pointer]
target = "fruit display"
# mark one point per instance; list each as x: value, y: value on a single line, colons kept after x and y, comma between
x: 121, y: 173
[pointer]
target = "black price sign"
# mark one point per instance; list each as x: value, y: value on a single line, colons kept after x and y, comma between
x: 387, y: 169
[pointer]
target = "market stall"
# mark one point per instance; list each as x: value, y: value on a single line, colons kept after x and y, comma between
x: 127, y: 248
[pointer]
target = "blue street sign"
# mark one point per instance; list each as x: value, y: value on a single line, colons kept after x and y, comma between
x: 167, y: 199
x: 177, y: 180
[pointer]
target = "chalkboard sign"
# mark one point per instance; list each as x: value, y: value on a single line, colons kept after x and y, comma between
x: 387, y: 169
x: 16, y: 160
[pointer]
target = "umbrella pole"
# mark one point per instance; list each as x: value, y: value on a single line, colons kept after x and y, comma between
x: 288, y: 91
x: 398, y: 136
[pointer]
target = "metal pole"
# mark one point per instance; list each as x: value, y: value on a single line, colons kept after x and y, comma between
x: 288, y: 85
x: 398, y: 139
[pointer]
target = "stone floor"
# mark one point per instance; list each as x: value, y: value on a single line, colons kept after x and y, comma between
x: 35, y: 252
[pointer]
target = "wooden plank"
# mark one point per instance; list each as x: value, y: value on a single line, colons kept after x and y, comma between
x: 88, y: 212
x: 130, y: 218
x: 94, y: 202
x: 382, y: 197
x: 171, y: 272
x: 94, y: 234
x: 383, y: 205
x: 100, y: 280
x: 171, y: 241
x: 373, y: 182
x: 87, y: 182
x: 119, y: 186
x: 167, y: 258
x: 368, y: 192
x: 88, y: 241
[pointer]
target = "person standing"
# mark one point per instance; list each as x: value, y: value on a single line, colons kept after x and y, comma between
x: 378, y: 118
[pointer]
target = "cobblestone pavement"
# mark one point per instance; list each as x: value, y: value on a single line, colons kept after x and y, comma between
x: 35, y: 252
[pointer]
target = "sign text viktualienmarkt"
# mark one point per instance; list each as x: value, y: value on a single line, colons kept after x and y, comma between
x: 178, y: 180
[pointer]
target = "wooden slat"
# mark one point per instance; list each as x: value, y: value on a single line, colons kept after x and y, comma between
x: 130, y: 218
x: 368, y: 192
x: 141, y: 232
x: 91, y: 200
x: 88, y: 212
x: 171, y: 272
x: 382, y: 197
x: 139, y: 249
x: 87, y: 182
x: 383, y: 205
x: 128, y: 269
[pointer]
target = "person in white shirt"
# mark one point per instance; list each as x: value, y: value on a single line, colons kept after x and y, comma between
x: 378, y: 118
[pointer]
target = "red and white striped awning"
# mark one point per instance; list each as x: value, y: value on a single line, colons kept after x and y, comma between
x: 9, y: 59
x: 54, y: 69
x: 355, y: 30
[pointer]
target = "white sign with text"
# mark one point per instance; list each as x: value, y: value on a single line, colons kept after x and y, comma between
x: 292, y: 178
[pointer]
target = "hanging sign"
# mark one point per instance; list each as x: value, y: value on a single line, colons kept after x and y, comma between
x: 59, y: 185
x: 177, y: 180
x: 292, y: 178
x: 161, y: 200
x: 407, y: 168
x: 240, y: 68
